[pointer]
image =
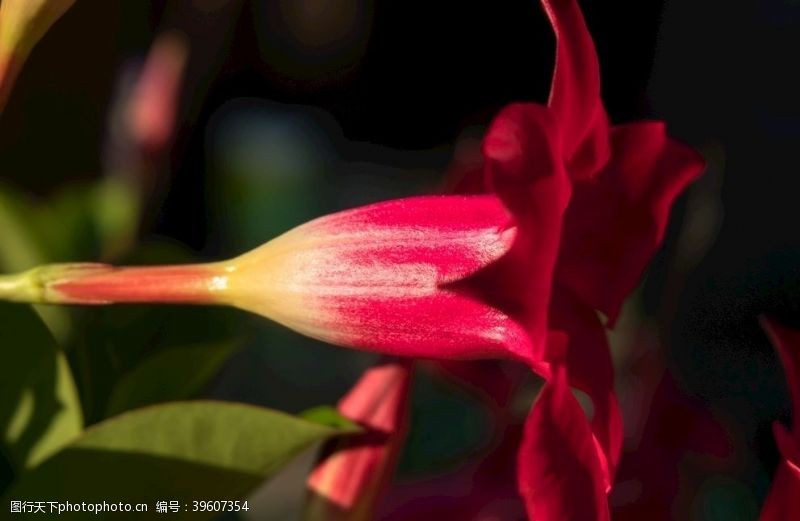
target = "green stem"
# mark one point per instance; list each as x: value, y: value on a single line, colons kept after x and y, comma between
x: 84, y: 283
x: 21, y: 287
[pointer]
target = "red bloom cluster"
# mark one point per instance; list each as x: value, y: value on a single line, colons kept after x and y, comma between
x: 591, y: 204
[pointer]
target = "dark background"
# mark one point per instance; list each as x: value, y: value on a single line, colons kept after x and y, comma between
x: 367, y: 100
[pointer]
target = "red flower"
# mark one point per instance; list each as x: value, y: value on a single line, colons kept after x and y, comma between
x: 458, y: 277
x: 592, y: 203
x: 378, y: 278
x: 783, y: 501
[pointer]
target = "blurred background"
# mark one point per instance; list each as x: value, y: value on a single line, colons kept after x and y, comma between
x: 287, y: 110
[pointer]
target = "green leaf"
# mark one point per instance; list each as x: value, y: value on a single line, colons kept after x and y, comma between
x: 116, y: 340
x: 182, y: 451
x: 89, y: 221
x: 23, y: 247
x: 79, y: 223
x: 327, y: 415
x: 176, y: 373
x: 40, y: 411
x: 64, y: 223
x: 112, y: 341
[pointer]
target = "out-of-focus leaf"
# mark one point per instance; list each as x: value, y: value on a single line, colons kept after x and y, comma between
x: 82, y: 222
x: 86, y: 222
x: 117, y: 339
x: 114, y: 340
x: 116, y: 210
x: 176, y: 373
x: 19, y: 249
x: 22, y: 248
x: 327, y: 415
x: 183, y: 451
x: 40, y: 411
x: 66, y: 226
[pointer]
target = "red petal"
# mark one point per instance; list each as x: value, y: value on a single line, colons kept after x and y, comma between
x: 583, y: 128
x: 442, y: 325
x: 617, y: 220
x: 525, y: 169
x: 455, y: 235
x: 559, y: 472
x: 783, y: 501
x: 590, y: 369
x: 594, y: 151
x: 575, y: 91
x: 380, y: 397
x: 346, y: 483
x: 787, y: 344
x: 377, y: 278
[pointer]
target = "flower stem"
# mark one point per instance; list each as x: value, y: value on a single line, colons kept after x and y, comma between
x: 19, y: 288
x: 84, y: 283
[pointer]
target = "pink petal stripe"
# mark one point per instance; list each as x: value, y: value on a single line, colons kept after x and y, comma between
x: 441, y: 325
x: 456, y: 235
